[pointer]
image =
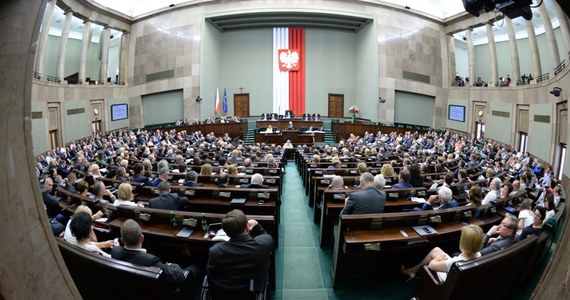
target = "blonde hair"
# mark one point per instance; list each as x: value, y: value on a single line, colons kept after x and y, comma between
x: 206, y: 169
x: 387, y: 171
x: 316, y: 158
x: 83, y: 208
x: 125, y: 191
x: 362, y: 167
x: 232, y: 170
x: 471, y: 240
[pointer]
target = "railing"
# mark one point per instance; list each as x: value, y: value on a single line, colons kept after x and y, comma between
x: 560, y: 68
x: 53, y: 78
x: 543, y: 77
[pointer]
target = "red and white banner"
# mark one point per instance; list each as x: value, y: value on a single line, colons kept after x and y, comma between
x: 289, y: 70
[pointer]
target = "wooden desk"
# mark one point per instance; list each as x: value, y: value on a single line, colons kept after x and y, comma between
x: 295, y: 136
x: 364, y: 242
x: 160, y: 237
x: 284, y: 123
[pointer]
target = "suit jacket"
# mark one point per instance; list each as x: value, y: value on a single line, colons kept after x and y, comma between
x: 155, y: 182
x: 140, y: 178
x: 497, y: 245
x: 168, y: 201
x: 51, y: 202
x: 192, y: 183
x: 233, y: 263
x: 368, y: 201
x: 135, y: 257
x: 254, y: 186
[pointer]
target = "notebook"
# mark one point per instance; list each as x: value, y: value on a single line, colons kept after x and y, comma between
x: 238, y: 201
x: 425, y: 230
x: 185, y: 232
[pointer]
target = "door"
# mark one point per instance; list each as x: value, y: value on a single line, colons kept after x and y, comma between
x: 241, y: 105
x: 336, y: 106
x: 54, y: 125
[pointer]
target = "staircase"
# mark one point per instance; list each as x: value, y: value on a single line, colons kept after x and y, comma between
x: 249, y: 136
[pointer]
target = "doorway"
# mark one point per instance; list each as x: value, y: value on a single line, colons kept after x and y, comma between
x: 336, y: 106
x: 241, y: 105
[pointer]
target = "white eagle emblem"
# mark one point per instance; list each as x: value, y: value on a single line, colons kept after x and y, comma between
x: 289, y: 60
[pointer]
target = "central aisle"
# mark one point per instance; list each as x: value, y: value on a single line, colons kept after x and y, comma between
x: 303, y: 268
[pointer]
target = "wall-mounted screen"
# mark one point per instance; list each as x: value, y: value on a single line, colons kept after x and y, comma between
x: 119, y: 112
x: 456, y: 113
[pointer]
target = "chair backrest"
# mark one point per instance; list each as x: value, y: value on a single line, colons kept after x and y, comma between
x: 495, y: 274
x: 99, y: 277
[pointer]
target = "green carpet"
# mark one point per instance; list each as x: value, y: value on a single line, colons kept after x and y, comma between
x: 303, y: 268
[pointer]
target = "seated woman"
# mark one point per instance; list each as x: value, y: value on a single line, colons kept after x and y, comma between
x: 337, y: 183
x: 233, y: 170
x: 536, y: 227
x: 470, y: 242
x: 269, y: 129
x: 122, y: 174
x: 68, y: 236
x: 125, y: 195
x: 81, y: 228
x: 83, y: 189
x: 206, y: 169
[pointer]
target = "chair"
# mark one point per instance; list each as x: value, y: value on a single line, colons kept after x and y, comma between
x: 210, y: 292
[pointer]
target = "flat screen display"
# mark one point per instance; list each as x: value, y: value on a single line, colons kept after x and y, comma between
x: 456, y: 113
x: 119, y: 112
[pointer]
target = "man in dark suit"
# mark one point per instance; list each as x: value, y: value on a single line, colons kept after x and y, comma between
x: 162, y: 177
x: 191, y: 179
x: 134, y: 253
x: 245, y: 256
x: 167, y: 200
x: 256, y: 182
x: 368, y: 201
x: 223, y: 180
x: 505, y: 235
x: 139, y: 174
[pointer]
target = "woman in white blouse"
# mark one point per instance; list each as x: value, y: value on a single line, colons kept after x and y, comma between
x: 470, y: 242
x: 125, y: 195
x: 526, y: 216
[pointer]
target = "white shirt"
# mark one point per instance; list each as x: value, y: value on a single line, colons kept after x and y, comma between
x: 492, y: 195
x: 528, y: 218
x: 124, y: 202
x: 449, y: 262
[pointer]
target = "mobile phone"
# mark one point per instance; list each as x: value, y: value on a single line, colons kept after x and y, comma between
x: 116, y: 242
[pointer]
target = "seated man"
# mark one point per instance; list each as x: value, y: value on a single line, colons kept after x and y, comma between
x: 442, y: 200
x: 134, y: 253
x: 403, y: 180
x: 139, y: 174
x: 51, y: 201
x: 290, y: 126
x: 167, y: 200
x: 223, y: 180
x: 245, y: 256
x: 368, y: 201
x: 162, y: 177
x: 505, y: 235
x: 256, y: 182
x: 269, y: 129
x: 191, y: 179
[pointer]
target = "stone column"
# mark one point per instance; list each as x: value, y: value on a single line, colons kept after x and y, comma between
x: 470, y: 55
x: 43, y: 39
x: 32, y: 266
x: 534, y: 53
x: 84, y: 47
x: 564, y: 26
x: 550, y: 37
x: 124, y: 58
x: 492, y: 54
x: 514, y: 51
x: 451, y: 56
x: 63, y: 45
x: 105, y: 39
